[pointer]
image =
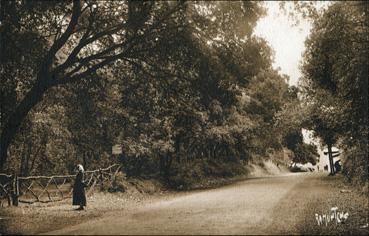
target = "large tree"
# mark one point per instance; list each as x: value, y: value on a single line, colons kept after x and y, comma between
x: 182, y: 81
x: 335, y: 75
x: 78, y: 39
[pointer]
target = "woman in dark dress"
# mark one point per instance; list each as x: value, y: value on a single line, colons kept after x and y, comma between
x: 79, y: 196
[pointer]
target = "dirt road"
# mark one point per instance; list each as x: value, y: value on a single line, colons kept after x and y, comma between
x: 256, y: 206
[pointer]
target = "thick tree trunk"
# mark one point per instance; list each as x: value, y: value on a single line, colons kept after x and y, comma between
x: 16, y: 118
x: 28, y: 157
x: 22, y: 162
x: 177, y: 147
x: 168, y: 164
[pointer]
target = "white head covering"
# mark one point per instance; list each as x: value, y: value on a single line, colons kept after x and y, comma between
x: 80, y: 168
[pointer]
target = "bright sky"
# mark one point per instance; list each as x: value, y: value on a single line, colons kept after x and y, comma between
x: 286, y: 40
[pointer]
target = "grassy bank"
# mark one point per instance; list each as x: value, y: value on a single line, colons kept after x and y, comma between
x: 201, y: 174
x: 333, y: 192
x: 347, y: 199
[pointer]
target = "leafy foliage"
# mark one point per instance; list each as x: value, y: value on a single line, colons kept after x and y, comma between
x: 177, y: 84
x: 336, y: 77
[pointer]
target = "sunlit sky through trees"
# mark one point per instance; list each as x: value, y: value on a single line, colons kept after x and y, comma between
x: 286, y: 40
x: 285, y: 37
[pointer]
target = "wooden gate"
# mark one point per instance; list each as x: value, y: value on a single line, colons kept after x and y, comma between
x: 6, y: 182
x: 14, y: 189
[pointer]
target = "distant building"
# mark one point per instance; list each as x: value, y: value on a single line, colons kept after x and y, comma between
x: 323, y: 158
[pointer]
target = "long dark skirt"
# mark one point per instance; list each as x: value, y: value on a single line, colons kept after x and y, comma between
x: 79, y: 196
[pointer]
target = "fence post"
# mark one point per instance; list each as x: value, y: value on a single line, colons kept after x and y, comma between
x: 101, y: 180
x: 10, y: 195
x: 15, y: 190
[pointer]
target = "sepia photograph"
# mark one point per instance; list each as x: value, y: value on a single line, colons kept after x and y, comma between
x: 184, y: 117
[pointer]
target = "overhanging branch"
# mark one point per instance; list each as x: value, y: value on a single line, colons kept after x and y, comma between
x: 59, y: 43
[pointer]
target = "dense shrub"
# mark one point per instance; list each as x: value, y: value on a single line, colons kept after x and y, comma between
x: 187, y: 175
x: 356, y: 165
x: 143, y: 166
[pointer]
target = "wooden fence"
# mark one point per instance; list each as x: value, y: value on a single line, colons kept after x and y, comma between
x: 15, y: 189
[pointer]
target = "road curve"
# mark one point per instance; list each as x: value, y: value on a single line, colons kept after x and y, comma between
x: 246, y: 207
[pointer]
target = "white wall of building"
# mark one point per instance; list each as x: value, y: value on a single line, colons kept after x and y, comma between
x: 323, y: 159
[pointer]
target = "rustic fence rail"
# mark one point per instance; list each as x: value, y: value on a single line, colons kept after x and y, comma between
x: 6, y: 182
x: 15, y: 189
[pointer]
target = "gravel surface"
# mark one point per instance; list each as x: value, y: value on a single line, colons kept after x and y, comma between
x: 271, y: 205
x: 284, y: 204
